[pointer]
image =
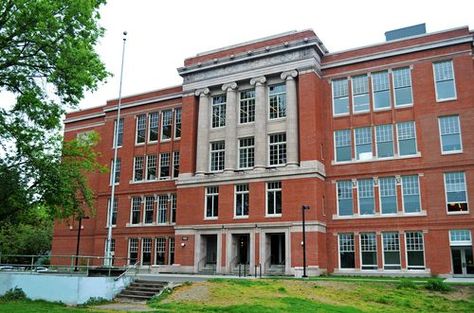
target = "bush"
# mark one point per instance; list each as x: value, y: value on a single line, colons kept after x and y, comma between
x: 95, y: 301
x: 406, y: 284
x: 14, y: 294
x: 437, y: 285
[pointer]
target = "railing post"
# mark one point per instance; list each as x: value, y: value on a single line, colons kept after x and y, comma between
x: 32, y: 262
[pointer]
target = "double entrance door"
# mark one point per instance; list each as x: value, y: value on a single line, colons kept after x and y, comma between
x: 463, y: 263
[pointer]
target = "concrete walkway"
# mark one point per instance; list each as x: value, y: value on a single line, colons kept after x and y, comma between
x: 127, y: 307
x: 461, y: 280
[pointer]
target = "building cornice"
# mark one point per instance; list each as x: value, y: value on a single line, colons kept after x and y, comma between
x: 83, y: 117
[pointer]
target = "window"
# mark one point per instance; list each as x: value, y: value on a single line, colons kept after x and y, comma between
x: 217, y: 156
x: 162, y: 208
x: 344, y: 197
x: 366, y: 196
x: 241, y: 200
x: 141, y: 129
x: 246, y: 152
x: 340, y: 96
x: 151, y: 167
x: 165, y: 165
x: 368, y: 250
x: 460, y: 237
x: 384, y: 139
x: 456, y: 195
x: 343, y: 142
x: 175, y: 164
x: 146, y: 251
x: 138, y: 168
x: 212, y: 202
x: 388, y: 195
x: 402, y: 86
x: 391, y: 251
x: 149, y: 208
x: 112, y: 249
x: 171, y: 251
x: 160, y: 251
x: 406, y: 138
x: 381, y: 90
x: 114, y: 212
x: 444, y: 80
x: 277, y: 149
x: 450, y: 133
x: 277, y: 101
x: 273, y: 198
x: 411, y: 194
x: 119, y: 139
x: 218, y: 111
x: 346, y: 251
x: 177, y: 123
x: 115, y: 178
x: 167, y: 120
x: 360, y: 93
x: 363, y: 141
x: 247, y: 106
x: 153, y: 130
x: 136, y: 210
x: 132, y: 251
x: 414, y: 248
x: 173, y: 208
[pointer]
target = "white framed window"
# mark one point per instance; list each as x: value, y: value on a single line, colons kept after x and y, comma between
x: 384, y: 140
x: 340, y: 96
x: 217, y: 158
x: 411, y: 194
x: 246, y: 152
x: 165, y: 165
x: 160, y: 253
x: 136, y: 210
x: 115, y: 170
x: 247, y: 106
x: 162, y: 209
x: 346, y: 251
x: 360, y: 93
x: 146, y: 251
x: 460, y: 237
x: 277, y: 101
x: 140, y: 129
x: 415, y: 254
x: 344, y: 198
x: 450, y: 134
x: 403, y: 93
x: 343, y: 145
x: 391, y: 251
x: 218, y: 111
x: 149, y: 210
x: 456, y: 192
x: 112, y: 249
x: 406, y: 137
x: 388, y: 195
x: 153, y: 118
x: 151, y: 167
x: 368, y: 251
x: 138, y: 168
x: 445, y: 86
x: 166, y: 124
x: 241, y: 200
x: 171, y: 251
x: 274, y: 200
x: 365, y: 192
x: 132, y: 251
x: 175, y: 164
x: 173, y: 208
x: 177, y: 123
x: 119, y: 139
x: 277, y: 149
x: 363, y: 143
x: 114, y: 212
x: 381, y: 90
x: 212, y: 202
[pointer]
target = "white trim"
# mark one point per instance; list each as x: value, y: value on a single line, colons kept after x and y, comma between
x: 360, y: 252
x: 116, y: 131
x: 235, y: 201
x: 390, y: 106
x: 347, y: 79
x: 460, y: 243
x: 441, y: 138
x: 266, y: 199
x: 417, y: 153
x: 376, y: 142
x: 417, y: 268
x: 268, y: 149
x: 162, y: 115
x: 170, y: 162
x: 356, y: 159
x: 419, y: 194
x: 383, y: 251
x: 339, y: 250
x: 435, y: 85
x: 352, y: 109
x: 148, y: 132
x: 358, y: 195
x: 380, y: 197
x: 174, y: 122
x: 410, y: 67
x: 446, y: 195
x: 205, y: 203
x: 143, y: 102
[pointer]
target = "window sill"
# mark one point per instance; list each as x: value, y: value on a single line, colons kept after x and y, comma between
x: 360, y: 112
x: 403, y: 106
x: 382, y: 109
x: 243, y: 217
x: 458, y: 213
x: 375, y: 159
x: 272, y: 215
x: 139, y: 144
x: 152, y: 142
x: 446, y: 100
x: 132, y: 182
x: 276, y: 119
x: 210, y: 218
x: 165, y: 140
x: 379, y: 215
x: 451, y: 152
x: 340, y: 115
x: 148, y: 224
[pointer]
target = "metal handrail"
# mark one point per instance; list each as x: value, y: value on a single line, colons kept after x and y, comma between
x: 134, y: 266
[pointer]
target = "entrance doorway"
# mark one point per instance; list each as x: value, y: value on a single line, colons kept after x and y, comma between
x: 277, y: 249
x: 210, y: 242
x: 243, y: 249
x: 463, y: 263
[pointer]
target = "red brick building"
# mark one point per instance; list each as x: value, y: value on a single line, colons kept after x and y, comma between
x: 378, y: 141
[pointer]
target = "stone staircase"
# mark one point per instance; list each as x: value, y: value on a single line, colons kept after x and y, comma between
x: 208, y: 269
x: 276, y: 270
x: 141, y: 290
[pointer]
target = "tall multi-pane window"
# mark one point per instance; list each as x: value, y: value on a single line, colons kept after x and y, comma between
x: 402, y: 86
x: 346, y: 251
x: 177, y: 123
x: 456, y: 192
x: 212, y: 202
x: 162, y: 209
x: 160, y: 251
x: 274, y: 198
x: 138, y: 168
x: 114, y: 212
x: 460, y: 237
x: 411, y: 194
x: 175, y: 164
x: 381, y: 90
x: 217, y: 158
x: 368, y: 251
x: 173, y: 208
x: 415, y: 251
x: 141, y: 128
x: 246, y: 152
x: 343, y: 142
x: 149, y: 208
x: 277, y: 149
x: 384, y: 139
x: 391, y: 251
x: 444, y: 80
x: 363, y: 143
x: 450, y: 133
x: 344, y: 197
x: 360, y: 93
x: 132, y: 250
x: 153, y: 127
x: 166, y: 124
x: 119, y: 139
x: 151, y: 167
x: 218, y: 111
x: 247, y: 106
x: 365, y: 192
x: 117, y: 167
x: 165, y: 165
x: 277, y: 101
x: 146, y: 251
x: 171, y: 251
x: 136, y: 210
x: 340, y: 96
x: 241, y: 200
x: 388, y: 195
x: 406, y: 138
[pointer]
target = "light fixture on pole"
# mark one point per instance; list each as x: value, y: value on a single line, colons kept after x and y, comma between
x: 303, y: 209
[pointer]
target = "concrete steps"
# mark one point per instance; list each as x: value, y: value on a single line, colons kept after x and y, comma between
x: 141, y: 290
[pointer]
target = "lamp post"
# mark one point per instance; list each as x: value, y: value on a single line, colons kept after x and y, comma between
x: 303, y: 209
x: 79, y: 239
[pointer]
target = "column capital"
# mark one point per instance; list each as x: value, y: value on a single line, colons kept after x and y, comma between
x: 289, y: 75
x: 202, y: 92
x: 229, y: 86
x: 258, y: 81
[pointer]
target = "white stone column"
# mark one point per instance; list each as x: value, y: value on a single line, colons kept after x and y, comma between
x: 202, y: 153
x: 230, y: 127
x: 260, y: 122
x: 291, y: 118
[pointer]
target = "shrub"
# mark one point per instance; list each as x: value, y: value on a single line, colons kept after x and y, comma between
x: 95, y: 301
x: 406, y: 284
x: 14, y: 294
x: 437, y: 285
